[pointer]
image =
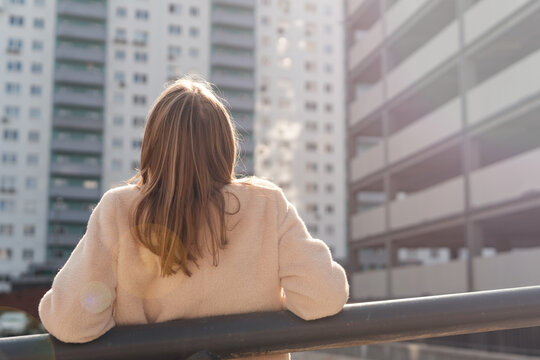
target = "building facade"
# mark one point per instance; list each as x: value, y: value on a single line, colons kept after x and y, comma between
x: 443, y: 174
x: 300, y: 110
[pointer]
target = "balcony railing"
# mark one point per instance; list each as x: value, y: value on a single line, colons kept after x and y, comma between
x: 233, y: 336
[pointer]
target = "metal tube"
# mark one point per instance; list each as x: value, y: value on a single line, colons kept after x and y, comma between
x: 233, y: 336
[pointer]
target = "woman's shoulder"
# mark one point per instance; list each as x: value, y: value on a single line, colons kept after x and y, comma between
x: 255, y: 184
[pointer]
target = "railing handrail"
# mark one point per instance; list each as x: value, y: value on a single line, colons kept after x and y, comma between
x: 280, y: 332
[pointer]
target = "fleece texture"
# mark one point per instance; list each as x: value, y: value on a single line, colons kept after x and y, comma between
x: 270, y: 263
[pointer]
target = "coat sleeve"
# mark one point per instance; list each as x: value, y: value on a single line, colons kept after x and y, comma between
x: 314, y: 285
x: 79, y: 306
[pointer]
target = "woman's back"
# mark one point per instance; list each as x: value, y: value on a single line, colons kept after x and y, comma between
x: 187, y: 239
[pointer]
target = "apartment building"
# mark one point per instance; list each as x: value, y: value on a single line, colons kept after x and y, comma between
x: 443, y: 152
x: 26, y: 60
x: 77, y: 80
x: 300, y: 113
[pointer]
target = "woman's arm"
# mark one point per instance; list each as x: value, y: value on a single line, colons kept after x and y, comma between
x: 315, y: 286
x: 79, y: 306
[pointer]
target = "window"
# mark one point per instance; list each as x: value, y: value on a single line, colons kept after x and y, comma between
x: 7, y: 184
x: 329, y: 209
x: 39, y: 3
x: 118, y: 98
x: 329, y: 168
x: 175, y: 29
x: 139, y: 99
x: 30, y: 206
x: 311, y: 126
x: 142, y: 14
x: 329, y: 188
x: 194, y: 52
x: 194, y: 11
x: 118, y: 120
x: 312, y: 208
x: 7, y: 205
x: 311, y: 105
x: 311, y: 86
x: 31, y: 182
x: 311, y: 146
x: 330, y: 231
x: 174, y: 52
x: 39, y: 23
x: 16, y: 2
x: 121, y: 12
x: 11, y: 135
x: 15, y: 20
x: 29, y: 230
x: 311, y: 166
x: 117, y: 143
x: 311, y: 187
x: 136, y: 144
x: 141, y: 37
x: 311, y: 7
x: 33, y: 136
x: 13, y: 88
x: 5, y: 254
x: 310, y: 66
x: 37, y: 45
x: 328, y: 68
x: 120, y: 77
x: 139, y: 121
x: 175, y: 9
x: 329, y: 128
x: 194, y: 32
x: 120, y: 35
x: 32, y: 159
x: 14, y: 66
x: 116, y: 164
x: 139, y: 78
x: 12, y: 112
x: 35, y: 113
x: 328, y: 88
x: 28, y: 254
x: 119, y: 55
x: 35, y: 90
x: 6, y: 229
x: 141, y: 57
x: 329, y: 148
x: 9, y: 158
x: 15, y: 45
x: 328, y: 48
x: 328, y: 108
x: 37, y: 68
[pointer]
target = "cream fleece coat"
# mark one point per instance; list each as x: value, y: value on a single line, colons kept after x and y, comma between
x: 270, y: 263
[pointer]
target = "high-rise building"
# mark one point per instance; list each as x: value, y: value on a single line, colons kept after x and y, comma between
x: 443, y: 153
x: 77, y: 81
x: 300, y: 125
x: 27, y: 47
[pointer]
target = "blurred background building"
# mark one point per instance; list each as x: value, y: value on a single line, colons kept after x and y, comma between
x: 300, y: 127
x: 443, y: 123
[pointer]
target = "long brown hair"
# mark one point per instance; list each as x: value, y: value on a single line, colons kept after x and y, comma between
x: 188, y: 154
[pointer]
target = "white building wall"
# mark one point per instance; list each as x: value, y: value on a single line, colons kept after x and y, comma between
x: 24, y: 157
x: 122, y: 132
x: 300, y: 120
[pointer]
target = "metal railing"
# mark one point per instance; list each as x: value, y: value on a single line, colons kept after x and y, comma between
x: 240, y: 335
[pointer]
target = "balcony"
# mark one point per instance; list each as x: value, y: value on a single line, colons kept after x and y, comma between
x: 426, y: 59
x: 368, y: 223
x: 402, y: 12
x: 69, y: 216
x: 78, y: 123
x: 363, y: 47
x: 233, y: 81
x: 239, y: 3
x: 81, y: 9
x: 246, y: 41
x: 367, y: 162
x: 439, y: 124
x: 508, y: 180
x: 63, y: 239
x: 72, y: 98
x: 81, y: 32
x: 240, y: 103
x: 492, y: 96
x: 233, y: 19
x: 431, y: 204
x: 244, y: 125
x: 233, y: 61
x: 369, y: 284
x: 354, y: 6
x: 366, y: 104
x: 483, y: 17
x: 265, y: 333
x: 78, y: 53
x: 85, y: 146
x: 71, y: 75
x: 73, y: 192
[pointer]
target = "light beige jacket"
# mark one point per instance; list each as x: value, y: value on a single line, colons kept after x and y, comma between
x: 271, y: 263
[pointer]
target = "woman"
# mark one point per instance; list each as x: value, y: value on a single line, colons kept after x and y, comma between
x: 186, y: 239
